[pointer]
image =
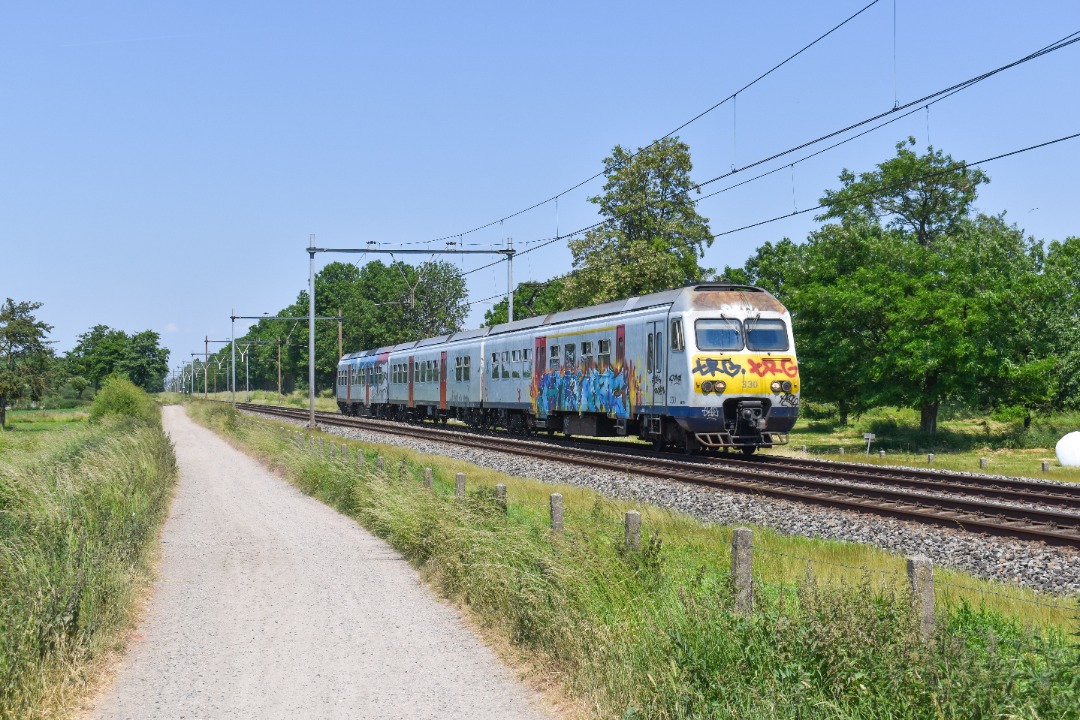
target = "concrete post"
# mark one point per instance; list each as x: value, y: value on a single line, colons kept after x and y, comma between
x: 556, y: 505
x: 742, y: 559
x: 982, y: 463
x: 632, y: 529
x: 401, y: 469
x: 380, y: 462
x: 841, y: 451
x: 500, y: 496
x: 359, y: 457
x: 311, y: 443
x: 333, y: 449
x: 322, y: 446
x: 921, y: 575
x: 1045, y: 466
x: 459, y: 485
x: 881, y: 453
x: 930, y: 459
x: 804, y: 449
x: 427, y: 478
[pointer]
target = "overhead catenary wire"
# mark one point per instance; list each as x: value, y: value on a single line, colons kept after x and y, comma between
x: 910, y: 108
x: 548, y: 241
x: 667, y: 135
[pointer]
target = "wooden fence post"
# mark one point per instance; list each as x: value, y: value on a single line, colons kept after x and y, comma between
x: 920, y: 572
x: 742, y: 560
x: 632, y: 529
x: 556, y: 506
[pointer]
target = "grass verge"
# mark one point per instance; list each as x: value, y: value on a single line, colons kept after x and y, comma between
x: 79, y: 514
x: 654, y: 633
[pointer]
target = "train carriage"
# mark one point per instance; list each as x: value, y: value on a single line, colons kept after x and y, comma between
x: 705, y: 366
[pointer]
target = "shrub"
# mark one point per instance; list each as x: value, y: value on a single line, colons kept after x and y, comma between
x: 119, y: 396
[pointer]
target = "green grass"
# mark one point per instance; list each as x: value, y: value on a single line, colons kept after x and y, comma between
x: 79, y: 512
x: 653, y: 633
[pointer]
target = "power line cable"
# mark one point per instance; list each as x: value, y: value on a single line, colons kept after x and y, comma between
x: 683, y: 126
x: 910, y: 107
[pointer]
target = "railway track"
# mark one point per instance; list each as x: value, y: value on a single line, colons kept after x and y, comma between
x: 1007, y: 507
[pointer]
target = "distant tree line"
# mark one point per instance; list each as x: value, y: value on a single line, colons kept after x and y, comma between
x: 31, y: 370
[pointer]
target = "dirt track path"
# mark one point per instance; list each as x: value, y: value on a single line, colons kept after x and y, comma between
x: 271, y: 605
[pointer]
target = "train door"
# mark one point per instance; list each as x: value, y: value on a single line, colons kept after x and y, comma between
x: 539, y: 368
x: 655, y: 364
x: 411, y: 380
x: 442, y: 380
x: 367, y: 374
x: 620, y: 347
x: 348, y: 383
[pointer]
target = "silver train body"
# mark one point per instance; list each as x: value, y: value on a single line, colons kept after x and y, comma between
x: 704, y: 366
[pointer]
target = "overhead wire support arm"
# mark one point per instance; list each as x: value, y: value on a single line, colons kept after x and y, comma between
x: 311, y: 250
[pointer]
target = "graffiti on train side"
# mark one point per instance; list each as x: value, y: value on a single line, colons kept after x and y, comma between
x: 586, y: 388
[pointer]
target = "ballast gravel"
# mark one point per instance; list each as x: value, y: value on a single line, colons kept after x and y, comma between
x: 1030, y: 564
x: 270, y: 604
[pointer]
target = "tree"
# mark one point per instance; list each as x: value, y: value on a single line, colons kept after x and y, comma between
x: 103, y: 351
x: 145, y: 362
x: 530, y: 300
x: 382, y: 305
x: 923, y: 196
x: 98, y: 353
x: 1061, y: 298
x: 652, y: 237
x: 24, y: 353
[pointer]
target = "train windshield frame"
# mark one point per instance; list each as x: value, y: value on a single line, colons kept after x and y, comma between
x: 767, y: 335
x: 718, y: 334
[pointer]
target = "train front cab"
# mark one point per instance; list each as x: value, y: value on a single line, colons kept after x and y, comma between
x: 732, y: 376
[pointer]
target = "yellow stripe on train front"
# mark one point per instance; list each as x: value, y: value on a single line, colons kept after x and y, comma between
x: 745, y: 374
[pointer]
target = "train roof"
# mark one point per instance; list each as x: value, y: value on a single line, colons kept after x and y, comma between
x: 713, y: 295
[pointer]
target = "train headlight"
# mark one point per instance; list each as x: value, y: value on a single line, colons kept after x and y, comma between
x: 707, y: 386
x: 787, y: 386
x: 777, y: 386
x: 719, y: 386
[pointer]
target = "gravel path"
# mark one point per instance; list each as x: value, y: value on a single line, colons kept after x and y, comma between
x: 271, y: 605
x: 1033, y: 565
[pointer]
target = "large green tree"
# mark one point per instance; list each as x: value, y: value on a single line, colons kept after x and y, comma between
x: 652, y: 237
x: 24, y: 353
x: 102, y: 351
x: 907, y: 298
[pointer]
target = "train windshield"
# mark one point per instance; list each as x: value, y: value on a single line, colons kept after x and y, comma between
x: 766, y: 335
x: 718, y: 334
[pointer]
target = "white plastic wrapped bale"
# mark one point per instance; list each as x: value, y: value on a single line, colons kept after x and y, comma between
x: 1068, y: 450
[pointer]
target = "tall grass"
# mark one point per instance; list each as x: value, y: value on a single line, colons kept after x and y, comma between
x: 653, y: 633
x: 79, y: 514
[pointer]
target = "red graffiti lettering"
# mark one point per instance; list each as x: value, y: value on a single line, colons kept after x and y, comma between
x: 768, y: 366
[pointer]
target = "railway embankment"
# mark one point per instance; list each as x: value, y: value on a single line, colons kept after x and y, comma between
x: 80, y: 508
x: 656, y: 629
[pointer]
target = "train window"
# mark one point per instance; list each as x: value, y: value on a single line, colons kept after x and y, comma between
x: 506, y: 364
x: 649, y: 355
x: 603, y: 352
x: 465, y: 369
x: 718, y: 334
x: 586, y: 350
x: 494, y: 366
x: 515, y: 368
x: 457, y: 369
x: 526, y: 363
x: 659, y: 352
x: 569, y: 354
x: 553, y: 353
x: 678, y: 342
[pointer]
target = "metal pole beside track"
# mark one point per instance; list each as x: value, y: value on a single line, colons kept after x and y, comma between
x: 311, y: 330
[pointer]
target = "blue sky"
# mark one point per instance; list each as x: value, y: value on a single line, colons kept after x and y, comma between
x: 164, y: 163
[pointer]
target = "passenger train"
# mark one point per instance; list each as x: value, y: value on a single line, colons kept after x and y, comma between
x: 707, y: 366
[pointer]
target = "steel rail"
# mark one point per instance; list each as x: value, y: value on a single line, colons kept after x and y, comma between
x: 1054, y: 527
